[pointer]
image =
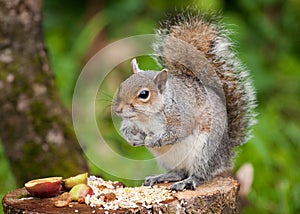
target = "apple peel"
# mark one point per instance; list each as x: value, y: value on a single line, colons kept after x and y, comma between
x: 80, y: 191
x: 70, y: 182
x: 44, y: 187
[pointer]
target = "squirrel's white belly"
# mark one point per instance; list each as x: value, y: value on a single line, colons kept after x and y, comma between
x: 184, y: 155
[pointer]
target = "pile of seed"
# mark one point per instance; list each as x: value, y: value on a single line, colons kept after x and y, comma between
x: 111, y: 195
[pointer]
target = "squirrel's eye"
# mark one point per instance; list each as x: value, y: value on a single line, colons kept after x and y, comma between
x: 144, y: 95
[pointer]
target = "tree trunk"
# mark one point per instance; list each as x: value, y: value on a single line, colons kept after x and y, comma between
x: 217, y: 196
x: 35, y: 128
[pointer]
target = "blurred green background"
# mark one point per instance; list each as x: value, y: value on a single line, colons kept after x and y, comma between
x: 267, y: 37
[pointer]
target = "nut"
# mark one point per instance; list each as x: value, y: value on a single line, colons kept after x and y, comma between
x: 63, y: 200
x: 108, y: 196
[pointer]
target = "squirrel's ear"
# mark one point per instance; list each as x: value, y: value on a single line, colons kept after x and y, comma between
x: 134, y: 66
x: 161, y: 79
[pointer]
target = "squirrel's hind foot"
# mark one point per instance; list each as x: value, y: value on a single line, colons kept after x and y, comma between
x: 155, y: 179
x: 189, y: 183
x: 182, y: 183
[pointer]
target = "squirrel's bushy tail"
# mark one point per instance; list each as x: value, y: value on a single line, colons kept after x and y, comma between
x: 193, y: 44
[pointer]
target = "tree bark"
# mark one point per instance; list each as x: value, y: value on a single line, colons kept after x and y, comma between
x: 35, y: 128
x: 217, y: 196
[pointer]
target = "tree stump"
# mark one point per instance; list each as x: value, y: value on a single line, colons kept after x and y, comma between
x: 217, y: 196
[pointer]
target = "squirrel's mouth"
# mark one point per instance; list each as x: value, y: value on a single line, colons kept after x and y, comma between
x: 125, y: 116
x: 129, y: 117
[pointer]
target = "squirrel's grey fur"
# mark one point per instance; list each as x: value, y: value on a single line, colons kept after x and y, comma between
x: 193, y: 113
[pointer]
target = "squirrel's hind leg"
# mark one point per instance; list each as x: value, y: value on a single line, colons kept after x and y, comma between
x: 169, y: 177
x: 189, y: 183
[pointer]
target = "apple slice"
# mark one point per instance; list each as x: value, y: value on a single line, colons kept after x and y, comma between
x: 70, y: 182
x: 80, y: 191
x: 44, y: 187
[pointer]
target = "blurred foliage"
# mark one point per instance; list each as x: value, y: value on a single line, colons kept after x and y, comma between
x: 7, y: 181
x: 267, y: 34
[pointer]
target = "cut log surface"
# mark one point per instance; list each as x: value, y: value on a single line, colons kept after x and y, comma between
x: 217, y: 196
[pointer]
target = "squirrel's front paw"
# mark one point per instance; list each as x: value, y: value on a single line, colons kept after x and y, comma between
x: 136, y: 139
x: 133, y: 136
x: 152, y: 141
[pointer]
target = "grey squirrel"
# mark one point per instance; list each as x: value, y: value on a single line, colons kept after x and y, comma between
x: 193, y: 113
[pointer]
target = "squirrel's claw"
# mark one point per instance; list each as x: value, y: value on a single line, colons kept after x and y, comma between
x: 151, y: 180
x: 190, y: 183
